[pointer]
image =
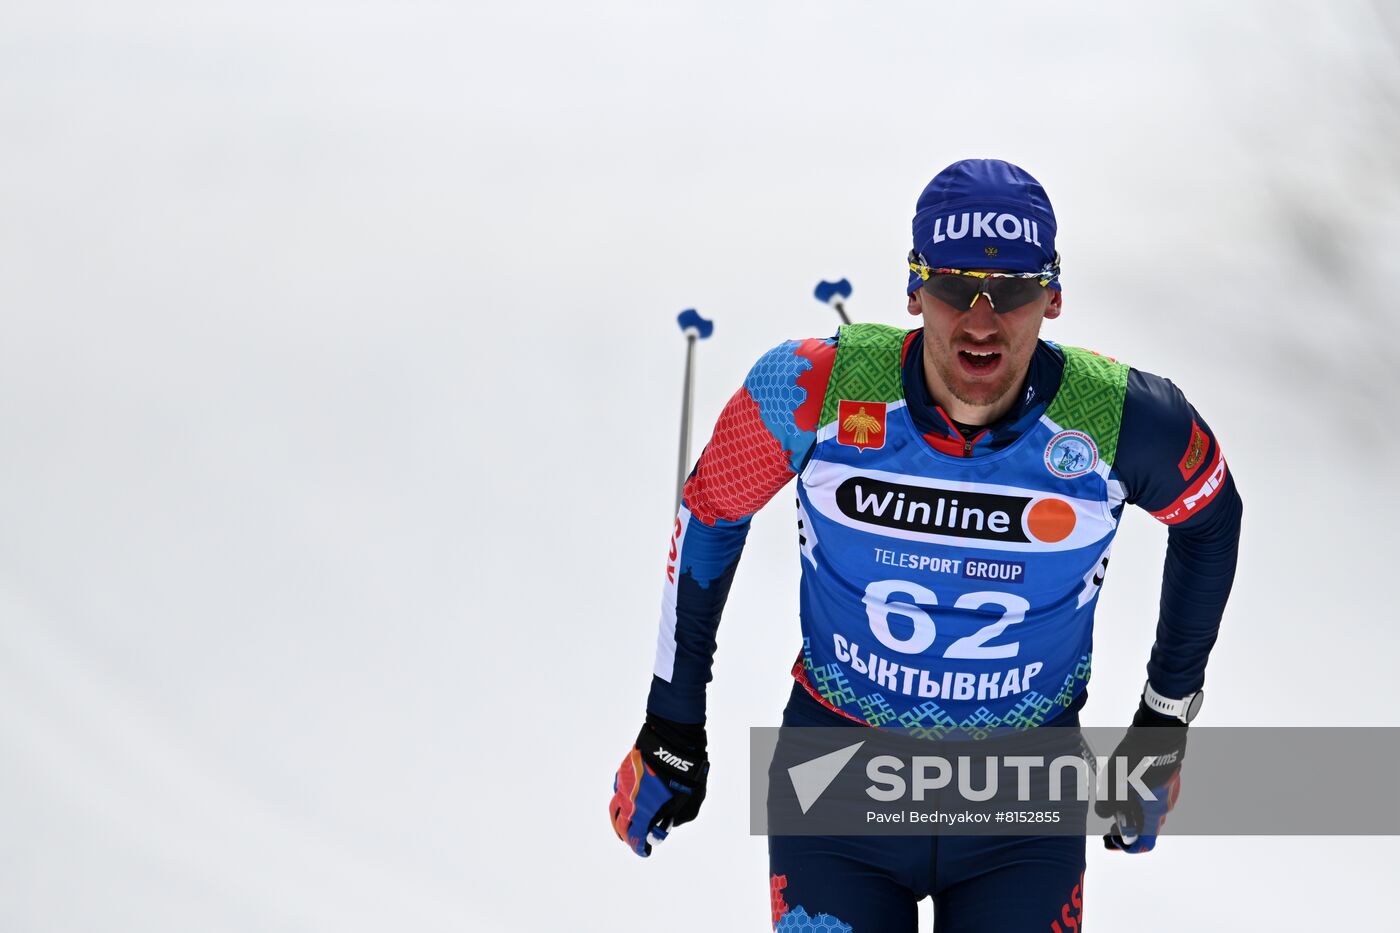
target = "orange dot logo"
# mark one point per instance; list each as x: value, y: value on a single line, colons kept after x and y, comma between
x: 1050, y: 520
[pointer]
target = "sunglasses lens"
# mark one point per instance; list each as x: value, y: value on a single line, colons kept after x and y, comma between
x: 956, y: 290
x: 1010, y: 294
x: 1007, y: 294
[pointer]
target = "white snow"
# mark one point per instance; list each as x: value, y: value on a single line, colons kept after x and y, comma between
x: 339, y: 378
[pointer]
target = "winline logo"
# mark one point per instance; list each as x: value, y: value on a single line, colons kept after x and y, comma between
x: 962, y: 514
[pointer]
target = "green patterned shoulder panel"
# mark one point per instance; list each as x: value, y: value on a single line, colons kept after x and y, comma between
x: 866, y: 368
x: 1090, y: 398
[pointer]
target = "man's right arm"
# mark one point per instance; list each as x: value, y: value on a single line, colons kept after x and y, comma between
x: 761, y: 440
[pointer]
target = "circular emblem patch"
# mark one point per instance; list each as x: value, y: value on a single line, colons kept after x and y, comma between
x: 1070, y: 454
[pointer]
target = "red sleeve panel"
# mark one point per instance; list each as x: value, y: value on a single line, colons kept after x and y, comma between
x: 741, y: 468
x: 764, y: 434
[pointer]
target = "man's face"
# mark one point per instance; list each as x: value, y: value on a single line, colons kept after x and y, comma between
x: 980, y: 355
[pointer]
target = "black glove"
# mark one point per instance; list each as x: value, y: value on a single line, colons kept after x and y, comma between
x: 1137, y: 819
x: 660, y: 784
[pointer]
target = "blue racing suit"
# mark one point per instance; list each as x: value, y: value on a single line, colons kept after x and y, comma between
x: 949, y: 580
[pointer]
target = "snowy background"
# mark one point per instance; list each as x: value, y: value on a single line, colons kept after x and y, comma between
x: 338, y: 387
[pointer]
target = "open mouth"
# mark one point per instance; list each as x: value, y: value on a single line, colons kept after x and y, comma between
x: 979, y: 363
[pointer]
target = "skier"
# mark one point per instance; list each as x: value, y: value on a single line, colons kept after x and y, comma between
x: 965, y: 477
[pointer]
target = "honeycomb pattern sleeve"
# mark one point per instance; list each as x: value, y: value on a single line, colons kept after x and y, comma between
x: 1171, y: 465
x: 762, y: 439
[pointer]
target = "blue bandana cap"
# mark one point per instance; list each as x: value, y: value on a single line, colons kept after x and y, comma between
x: 984, y: 214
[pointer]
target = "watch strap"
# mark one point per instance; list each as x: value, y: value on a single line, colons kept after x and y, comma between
x: 1184, y: 709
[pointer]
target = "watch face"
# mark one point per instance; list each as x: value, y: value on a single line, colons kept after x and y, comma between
x: 1193, y: 706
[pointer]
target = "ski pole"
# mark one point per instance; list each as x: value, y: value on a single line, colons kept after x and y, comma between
x: 834, y: 294
x: 695, y: 328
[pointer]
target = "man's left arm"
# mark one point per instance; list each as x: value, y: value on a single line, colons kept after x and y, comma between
x: 1171, y: 464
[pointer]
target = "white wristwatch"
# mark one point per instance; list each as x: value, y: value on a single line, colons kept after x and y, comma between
x: 1184, y: 709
